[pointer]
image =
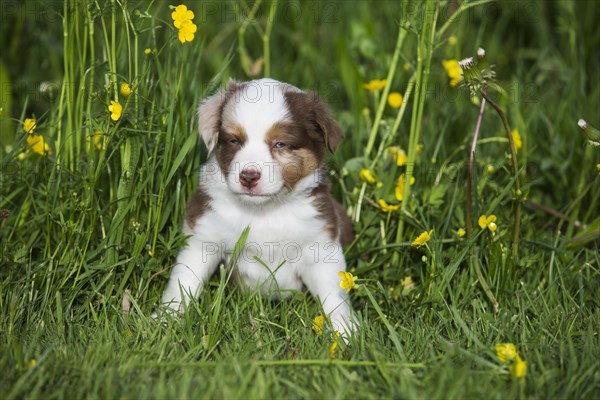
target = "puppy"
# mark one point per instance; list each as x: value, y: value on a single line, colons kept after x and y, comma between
x: 267, y: 143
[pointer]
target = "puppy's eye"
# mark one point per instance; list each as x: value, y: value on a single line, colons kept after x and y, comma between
x: 234, y: 142
x: 279, y: 145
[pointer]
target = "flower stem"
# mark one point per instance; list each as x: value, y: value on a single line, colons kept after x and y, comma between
x: 266, y: 39
x: 383, y: 99
x: 424, y: 52
x: 244, y: 57
x: 515, y: 166
x: 469, y: 222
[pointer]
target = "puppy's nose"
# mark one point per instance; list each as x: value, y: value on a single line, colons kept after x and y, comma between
x: 249, y: 177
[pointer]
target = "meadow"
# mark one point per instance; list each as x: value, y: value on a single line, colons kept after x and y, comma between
x: 473, y: 186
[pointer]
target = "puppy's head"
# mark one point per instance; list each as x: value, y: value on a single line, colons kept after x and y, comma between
x: 267, y: 136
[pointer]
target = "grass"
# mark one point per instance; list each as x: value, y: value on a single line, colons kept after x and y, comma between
x: 87, y: 235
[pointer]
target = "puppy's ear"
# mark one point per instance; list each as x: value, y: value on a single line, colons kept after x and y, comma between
x: 310, y: 111
x: 209, y: 115
x: 330, y: 128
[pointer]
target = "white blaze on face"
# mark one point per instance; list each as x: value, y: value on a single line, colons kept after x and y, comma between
x: 257, y: 107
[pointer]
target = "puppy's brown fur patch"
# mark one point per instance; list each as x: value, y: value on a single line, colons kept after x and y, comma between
x: 337, y: 223
x: 198, y: 204
x: 225, y: 149
x: 297, y: 157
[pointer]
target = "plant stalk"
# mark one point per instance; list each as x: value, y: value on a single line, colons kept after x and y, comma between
x: 469, y: 222
x: 515, y: 166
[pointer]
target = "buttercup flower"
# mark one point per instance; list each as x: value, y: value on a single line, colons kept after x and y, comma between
x: 181, y: 15
x: 115, y: 110
x: 348, y: 281
x: 186, y: 32
x: 375, y: 85
x: 32, y: 363
x: 317, y: 325
x: 38, y: 144
x: 125, y: 89
x: 407, y: 283
x: 422, y: 239
x: 400, y: 186
x: 29, y: 125
x: 394, y: 100
x: 182, y: 19
x: 485, y: 222
x: 460, y: 232
x: 453, y: 70
x: 332, y: 350
x: 517, y: 139
x: 398, y: 155
x: 98, y: 139
x: 507, y: 353
x: 365, y: 175
x: 148, y: 51
x: 518, y: 368
x: 388, y: 207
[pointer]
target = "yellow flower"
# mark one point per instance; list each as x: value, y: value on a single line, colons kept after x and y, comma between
x: 29, y: 125
x: 385, y: 207
x: 485, y: 222
x: 186, y: 32
x: 506, y: 352
x: 365, y: 175
x: 348, y: 281
x: 148, y: 51
x: 453, y: 70
x: 334, y: 345
x: 398, y: 155
x: 518, y: 368
x: 332, y: 350
x: 317, y: 325
x: 422, y: 239
x: 375, y: 85
x: 517, y: 140
x: 32, y: 363
x: 407, y: 283
x: 460, y: 232
x: 115, y: 110
x: 400, y: 186
x: 38, y: 144
x: 125, y: 89
x: 452, y: 40
x: 181, y: 15
x: 395, y: 100
x: 98, y: 140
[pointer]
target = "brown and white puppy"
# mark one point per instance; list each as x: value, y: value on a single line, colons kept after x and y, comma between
x: 267, y: 142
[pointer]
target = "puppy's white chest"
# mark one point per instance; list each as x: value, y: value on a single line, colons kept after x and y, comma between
x: 274, y: 253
